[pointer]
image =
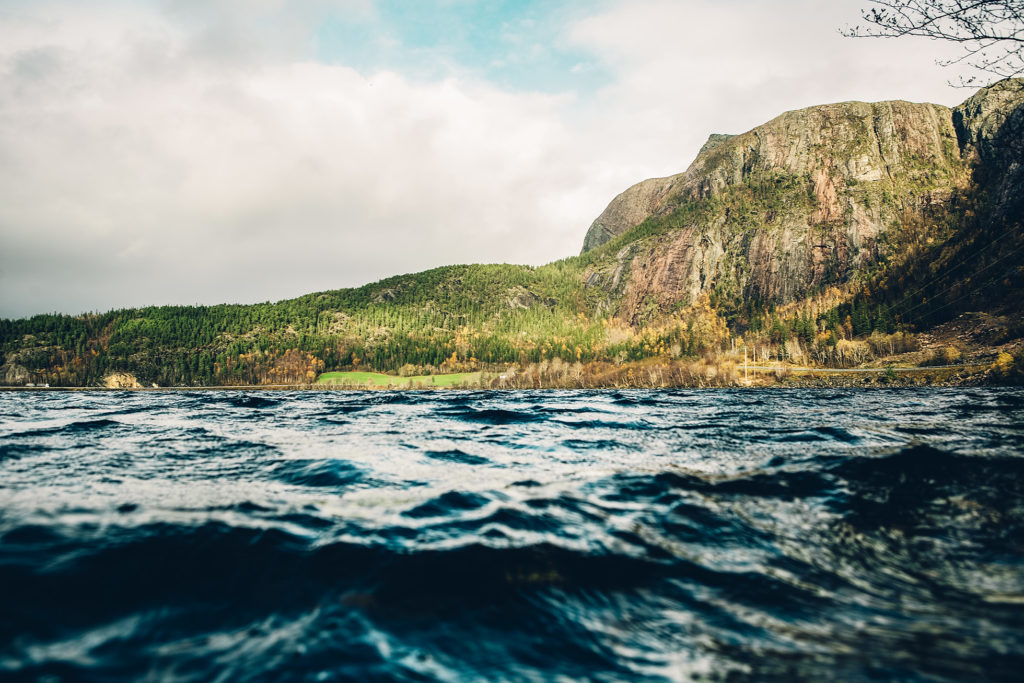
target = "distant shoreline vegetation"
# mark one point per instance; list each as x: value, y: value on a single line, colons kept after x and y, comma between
x: 651, y: 374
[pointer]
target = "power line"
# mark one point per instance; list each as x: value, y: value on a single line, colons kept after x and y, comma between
x: 979, y: 270
x: 995, y: 243
x: 959, y: 298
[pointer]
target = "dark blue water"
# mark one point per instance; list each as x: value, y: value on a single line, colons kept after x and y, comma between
x: 634, y: 535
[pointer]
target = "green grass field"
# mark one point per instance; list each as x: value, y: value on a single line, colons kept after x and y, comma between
x: 377, y: 379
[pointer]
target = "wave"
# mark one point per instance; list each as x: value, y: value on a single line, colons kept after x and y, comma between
x: 494, y: 416
x: 317, y: 473
x: 457, y: 456
x: 73, y: 427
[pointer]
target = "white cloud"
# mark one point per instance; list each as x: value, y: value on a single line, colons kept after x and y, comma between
x: 194, y: 152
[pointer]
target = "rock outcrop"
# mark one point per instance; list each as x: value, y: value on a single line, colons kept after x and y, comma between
x: 628, y: 210
x: 13, y: 374
x: 808, y: 200
x: 121, y: 380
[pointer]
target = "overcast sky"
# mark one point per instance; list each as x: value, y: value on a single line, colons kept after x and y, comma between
x: 208, y: 151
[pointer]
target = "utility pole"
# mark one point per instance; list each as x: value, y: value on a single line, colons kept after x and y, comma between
x: 746, y: 380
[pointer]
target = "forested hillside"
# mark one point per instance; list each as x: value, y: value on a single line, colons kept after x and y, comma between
x: 447, y: 319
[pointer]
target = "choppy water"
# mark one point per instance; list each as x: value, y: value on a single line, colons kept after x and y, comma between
x: 634, y: 535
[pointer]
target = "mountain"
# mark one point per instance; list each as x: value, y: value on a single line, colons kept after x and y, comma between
x: 797, y: 239
x: 816, y: 198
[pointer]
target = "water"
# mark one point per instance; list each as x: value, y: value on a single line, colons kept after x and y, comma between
x: 633, y: 535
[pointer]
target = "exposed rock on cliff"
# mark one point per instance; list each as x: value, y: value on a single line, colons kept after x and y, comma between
x: 628, y: 210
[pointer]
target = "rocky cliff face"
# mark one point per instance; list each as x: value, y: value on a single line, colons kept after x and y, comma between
x: 990, y: 129
x: 807, y: 200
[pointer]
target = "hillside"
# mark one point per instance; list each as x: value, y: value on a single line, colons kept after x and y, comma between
x: 797, y: 239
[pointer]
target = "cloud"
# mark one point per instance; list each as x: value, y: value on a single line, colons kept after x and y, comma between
x: 169, y: 174
x: 184, y: 152
x: 687, y: 69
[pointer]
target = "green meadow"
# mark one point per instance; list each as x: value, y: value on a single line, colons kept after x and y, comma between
x: 377, y: 379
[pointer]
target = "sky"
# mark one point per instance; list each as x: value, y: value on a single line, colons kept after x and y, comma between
x: 210, y: 151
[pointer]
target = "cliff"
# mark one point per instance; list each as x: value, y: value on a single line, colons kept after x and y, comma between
x: 814, y: 198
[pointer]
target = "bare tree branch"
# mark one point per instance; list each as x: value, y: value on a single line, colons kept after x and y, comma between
x: 990, y: 31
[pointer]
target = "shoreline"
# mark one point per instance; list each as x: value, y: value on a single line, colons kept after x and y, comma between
x: 760, y: 377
